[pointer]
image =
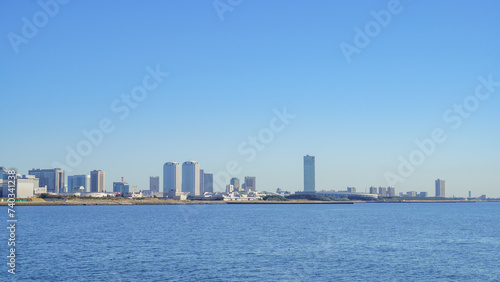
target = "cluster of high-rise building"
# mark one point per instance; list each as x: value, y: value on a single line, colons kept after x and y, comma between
x: 247, y: 186
x: 93, y: 182
x: 190, y: 178
x: 187, y: 179
x: 39, y: 181
x: 54, y: 180
x: 383, y: 191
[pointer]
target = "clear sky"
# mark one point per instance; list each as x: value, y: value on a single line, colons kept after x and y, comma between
x: 64, y: 66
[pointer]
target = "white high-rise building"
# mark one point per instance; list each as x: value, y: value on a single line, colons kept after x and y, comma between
x: 440, y: 185
x: 191, y: 178
x: 172, y: 177
x: 309, y: 178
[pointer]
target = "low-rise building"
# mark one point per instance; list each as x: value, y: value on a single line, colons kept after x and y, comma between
x: 26, y: 186
x: 342, y: 194
x: 133, y: 195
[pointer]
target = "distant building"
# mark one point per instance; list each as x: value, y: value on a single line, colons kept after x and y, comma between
x: 309, y: 174
x: 121, y: 187
x: 97, y: 181
x: 351, y: 189
x: 3, y: 173
x: 440, y: 188
x: 26, y: 186
x: 191, y: 178
x: 340, y: 194
x: 180, y: 196
x: 250, y: 183
x: 423, y: 195
x: 79, y: 181
x: 229, y: 188
x: 52, y: 178
x: 154, y: 184
x: 411, y: 194
x: 77, y: 189
x: 373, y: 190
x: 133, y: 195
x: 202, y: 181
x: 391, y: 192
x: 208, y: 183
x: 236, y: 183
x: 172, y: 177
x: 382, y: 191
x: 470, y: 194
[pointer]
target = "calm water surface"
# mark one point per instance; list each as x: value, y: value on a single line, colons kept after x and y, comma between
x: 361, y: 242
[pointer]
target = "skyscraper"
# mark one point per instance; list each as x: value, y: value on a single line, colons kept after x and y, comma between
x: 154, y: 184
x: 391, y: 191
x: 309, y: 177
x: 191, y: 178
x: 236, y: 183
x: 97, y: 181
x: 172, y: 177
x: 440, y: 188
x: 202, y: 181
x: 78, y: 181
x: 382, y: 191
x: 53, y: 178
x: 208, y: 182
x: 250, y: 183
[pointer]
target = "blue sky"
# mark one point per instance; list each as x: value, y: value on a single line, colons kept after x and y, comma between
x: 226, y: 77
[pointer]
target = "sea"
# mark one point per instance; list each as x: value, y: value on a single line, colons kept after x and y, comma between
x: 256, y: 242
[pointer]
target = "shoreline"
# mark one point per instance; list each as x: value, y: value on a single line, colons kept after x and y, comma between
x: 113, y: 202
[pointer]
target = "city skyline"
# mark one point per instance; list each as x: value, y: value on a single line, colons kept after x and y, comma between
x: 414, y: 102
x: 174, y: 170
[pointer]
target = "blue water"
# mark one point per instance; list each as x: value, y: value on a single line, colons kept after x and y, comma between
x: 360, y: 242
